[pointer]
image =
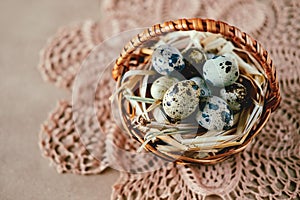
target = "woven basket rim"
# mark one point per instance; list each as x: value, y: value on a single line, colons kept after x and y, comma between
x: 231, y: 33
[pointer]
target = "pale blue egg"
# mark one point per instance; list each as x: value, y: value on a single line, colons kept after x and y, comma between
x: 204, y: 91
x: 214, y: 114
x: 166, y: 59
x: 220, y: 71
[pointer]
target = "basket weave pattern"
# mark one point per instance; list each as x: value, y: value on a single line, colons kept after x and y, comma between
x: 240, y: 39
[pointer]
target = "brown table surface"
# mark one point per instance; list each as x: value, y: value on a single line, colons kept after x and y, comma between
x: 26, y: 101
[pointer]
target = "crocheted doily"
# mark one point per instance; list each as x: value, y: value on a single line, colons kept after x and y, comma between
x: 83, y: 137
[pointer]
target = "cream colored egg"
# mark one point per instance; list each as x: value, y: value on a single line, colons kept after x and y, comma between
x: 160, y: 116
x: 181, y: 99
x: 235, y: 95
x: 161, y: 85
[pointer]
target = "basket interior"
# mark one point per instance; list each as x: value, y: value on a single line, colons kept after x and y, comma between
x: 182, y: 147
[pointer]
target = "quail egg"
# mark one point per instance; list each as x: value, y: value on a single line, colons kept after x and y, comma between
x: 159, y: 115
x: 194, y: 56
x: 204, y: 91
x: 161, y: 85
x: 194, y: 59
x: 214, y: 114
x: 210, y: 55
x: 166, y: 59
x: 181, y: 99
x: 235, y: 95
x: 220, y: 71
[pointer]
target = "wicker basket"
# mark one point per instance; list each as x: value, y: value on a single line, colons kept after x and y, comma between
x: 133, y: 56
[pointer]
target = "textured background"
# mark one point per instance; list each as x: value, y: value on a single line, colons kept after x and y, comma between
x: 25, y: 100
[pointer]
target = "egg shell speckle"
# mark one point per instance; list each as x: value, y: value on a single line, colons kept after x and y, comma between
x: 214, y: 114
x: 166, y: 59
x: 220, y: 71
x: 194, y: 59
x: 161, y: 85
x: 204, y: 91
x: 181, y: 99
x: 235, y: 95
x: 194, y: 56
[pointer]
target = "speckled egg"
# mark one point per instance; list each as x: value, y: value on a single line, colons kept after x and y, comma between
x: 210, y: 55
x: 181, y: 99
x: 204, y: 91
x: 235, y: 95
x: 194, y: 56
x: 214, y: 114
x: 194, y: 59
x: 166, y: 59
x: 220, y: 71
x: 161, y: 85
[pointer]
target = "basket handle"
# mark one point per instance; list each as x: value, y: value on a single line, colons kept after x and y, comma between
x: 239, y: 38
